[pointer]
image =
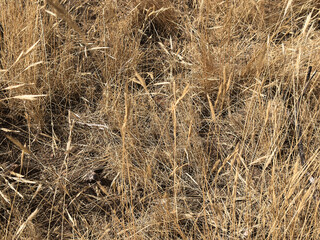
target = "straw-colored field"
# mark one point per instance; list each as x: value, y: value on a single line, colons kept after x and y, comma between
x: 132, y: 119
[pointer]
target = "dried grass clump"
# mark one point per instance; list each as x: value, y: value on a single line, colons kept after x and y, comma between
x: 157, y: 19
x: 159, y: 119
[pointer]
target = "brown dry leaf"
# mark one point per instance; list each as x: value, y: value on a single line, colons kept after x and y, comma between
x: 19, y: 145
x: 23, y: 226
x: 141, y: 81
x: 29, y: 97
x: 9, y: 130
x: 15, y: 86
x: 213, y: 115
x: 185, y: 91
x: 61, y: 12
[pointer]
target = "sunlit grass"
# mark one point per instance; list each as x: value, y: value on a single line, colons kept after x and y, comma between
x: 159, y: 119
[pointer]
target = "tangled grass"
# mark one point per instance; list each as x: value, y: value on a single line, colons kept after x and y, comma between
x: 148, y: 119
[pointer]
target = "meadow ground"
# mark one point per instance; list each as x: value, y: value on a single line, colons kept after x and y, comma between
x: 152, y: 119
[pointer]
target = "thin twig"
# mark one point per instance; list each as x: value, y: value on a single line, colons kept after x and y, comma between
x: 1, y: 44
x: 297, y: 117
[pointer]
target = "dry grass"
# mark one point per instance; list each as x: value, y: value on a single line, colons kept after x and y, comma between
x: 159, y: 119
